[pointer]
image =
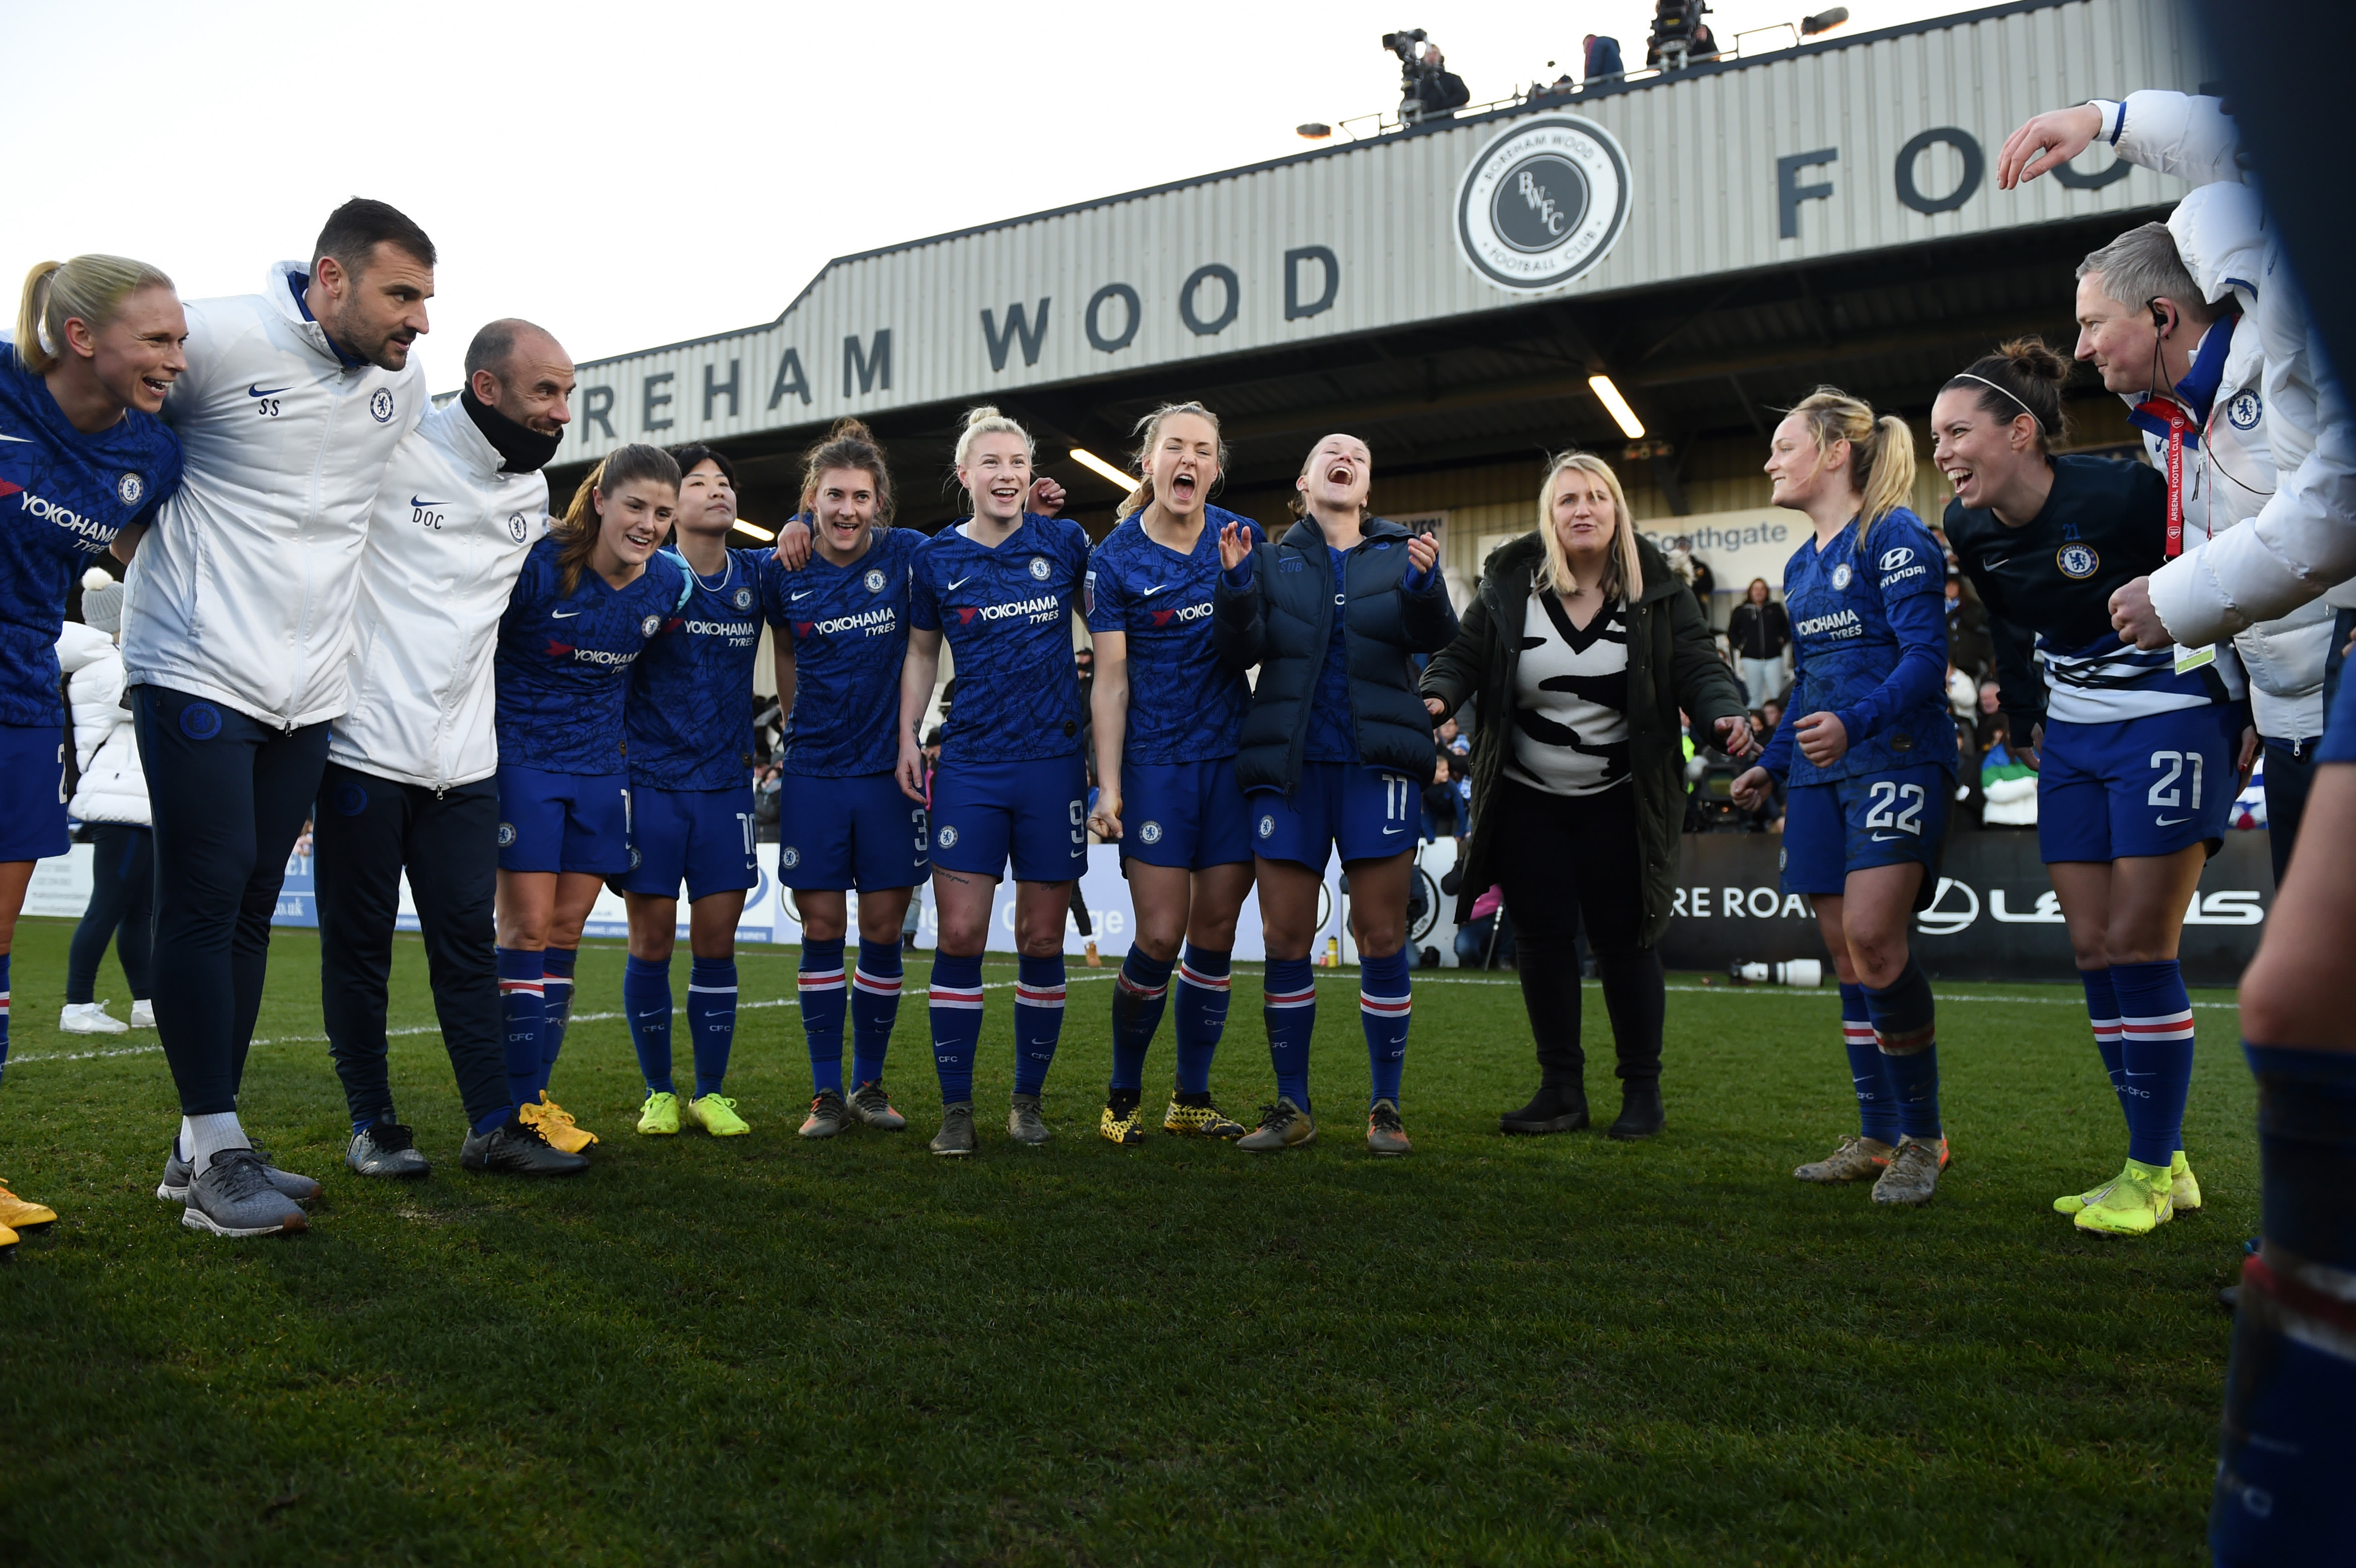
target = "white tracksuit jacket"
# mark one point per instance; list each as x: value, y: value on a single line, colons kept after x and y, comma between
x: 2220, y: 234
x: 2302, y: 543
x: 243, y: 591
x: 113, y: 787
x: 444, y: 548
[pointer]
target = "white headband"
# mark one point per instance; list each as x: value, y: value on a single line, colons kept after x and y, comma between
x: 1967, y: 376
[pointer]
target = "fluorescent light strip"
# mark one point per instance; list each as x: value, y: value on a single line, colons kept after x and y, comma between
x: 755, y: 530
x: 1616, y: 406
x: 1093, y: 464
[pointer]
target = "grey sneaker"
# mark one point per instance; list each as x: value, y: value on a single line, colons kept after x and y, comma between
x: 1282, y: 1126
x: 828, y: 1116
x: 1385, y: 1134
x: 956, y: 1136
x: 1024, y: 1123
x: 516, y: 1147
x: 234, y: 1198
x: 178, y: 1174
x: 386, y: 1149
x: 873, y: 1106
x: 1913, y: 1173
x: 1855, y: 1160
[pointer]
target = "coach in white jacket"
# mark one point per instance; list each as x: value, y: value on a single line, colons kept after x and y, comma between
x: 110, y: 800
x: 411, y: 765
x: 237, y: 635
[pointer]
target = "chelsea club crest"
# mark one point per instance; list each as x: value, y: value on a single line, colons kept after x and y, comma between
x: 2077, y: 561
x: 874, y: 580
x: 742, y: 599
x: 2243, y: 412
x: 1841, y: 576
x: 1149, y: 833
x: 380, y: 405
x: 130, y: 489
x: 649, y: 625
x: 1039, y: 567
x: 947, y: 838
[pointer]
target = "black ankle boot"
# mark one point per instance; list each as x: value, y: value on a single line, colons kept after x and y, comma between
x: 1640, y: 1110
x: 1554, y: 1108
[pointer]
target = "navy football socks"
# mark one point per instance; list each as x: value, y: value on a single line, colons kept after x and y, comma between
x: 711, y: 1021
x: 1291, y: 1010
x: 523, y: 1014
x: 1906, y: 1033
x: 957, y: 1022
x: 1386, y: 1006
x: 556, y: 971
x: 2103, y: 1014
x: 1869, y: 1069
x: 2155, y: 1057
x: 874, y: 1008
x: 1203, y: 989
x: 824, y: 998
x: 1038, y: 1020
x: 645, y: 998
x: 1139, y: 992
x: 3, y: 1012
x: 2287, y: 1449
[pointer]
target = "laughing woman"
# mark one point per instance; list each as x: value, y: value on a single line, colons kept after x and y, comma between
x: 1580, y: 650
x: 1334, y: 753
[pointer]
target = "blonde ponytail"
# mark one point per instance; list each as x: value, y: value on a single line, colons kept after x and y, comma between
x: 91, y: 288
x: 1890, y: 475
x: 1881, y: 451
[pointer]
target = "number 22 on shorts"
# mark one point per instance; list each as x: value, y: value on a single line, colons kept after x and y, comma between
x: 1885, y: 810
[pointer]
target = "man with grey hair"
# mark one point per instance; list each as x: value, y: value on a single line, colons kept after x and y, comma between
x: 2191, y: 371
x: 410, y: 770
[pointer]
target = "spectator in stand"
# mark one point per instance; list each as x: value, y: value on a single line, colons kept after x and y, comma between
x: 1968, y: 648
x: 1602, y: 62
x: 1963, y: 695
x: 1988, y: 720
x: 111, y: 798
x: 2009, y: 784
x: 1759, y: 631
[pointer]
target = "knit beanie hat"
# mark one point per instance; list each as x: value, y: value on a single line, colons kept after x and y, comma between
x: 101, y: 601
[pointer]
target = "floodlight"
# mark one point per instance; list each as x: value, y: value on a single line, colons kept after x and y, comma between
x: 1616, y: 406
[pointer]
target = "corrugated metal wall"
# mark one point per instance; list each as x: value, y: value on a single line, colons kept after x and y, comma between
x: 1703, y: 153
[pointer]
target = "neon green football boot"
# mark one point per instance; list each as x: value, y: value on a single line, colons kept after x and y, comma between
x: 659, y: 1117
x: 2135, y: 1205
x: 716, y: 1114
x: 2183, y: 1187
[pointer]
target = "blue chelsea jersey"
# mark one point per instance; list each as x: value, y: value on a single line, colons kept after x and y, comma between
x: 1007, y: 615
x: 689, y: 719
x: 64, y: 495
x: 849, y: 629
x: 1869, y: 644
x: 1184, y: 704
x: 563, y: 663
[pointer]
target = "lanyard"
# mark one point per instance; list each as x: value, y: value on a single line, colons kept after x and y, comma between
x: 2178, y: 422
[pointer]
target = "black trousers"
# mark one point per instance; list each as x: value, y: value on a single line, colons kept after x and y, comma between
x: 2290, y: 773
x: 229, y: 795
x: 122, y: 910
x: 366, y: 831
x: 1567, y: 861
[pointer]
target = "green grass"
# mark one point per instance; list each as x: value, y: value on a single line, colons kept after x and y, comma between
x: 1497, y: 1351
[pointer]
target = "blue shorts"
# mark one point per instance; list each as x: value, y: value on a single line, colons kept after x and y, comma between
x: 1035, y: 812
x: 1367, y: 813
x: 1856, y: 824
x: 701, y: 837
x: 564, y: 821
x: 858, y: 831
x: 2149, y: 785
x: 33, y: 793
x: 1191, y: 815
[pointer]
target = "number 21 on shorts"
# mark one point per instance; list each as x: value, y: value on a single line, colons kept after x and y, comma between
x: 2166, y: 791
x: 1885, y: 810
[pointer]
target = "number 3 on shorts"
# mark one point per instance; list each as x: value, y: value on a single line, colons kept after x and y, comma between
x: 1885, y: 796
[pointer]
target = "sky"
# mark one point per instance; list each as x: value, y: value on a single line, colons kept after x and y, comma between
x: 634, y: 175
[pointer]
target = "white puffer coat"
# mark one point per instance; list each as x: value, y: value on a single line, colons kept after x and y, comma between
x: 114, y: 786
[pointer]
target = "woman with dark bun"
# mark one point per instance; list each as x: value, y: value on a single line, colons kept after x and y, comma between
x: 2134, y: 750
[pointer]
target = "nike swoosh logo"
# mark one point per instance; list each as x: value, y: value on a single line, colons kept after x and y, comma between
x: 2171, y: 822
x: 1388, y: 832
x: 1148, y: 593
x: 960, y: 582
x: 415, y: 502
x: 1887, y: 838
x: 253, y: 391
x: 562, y: 615
x: 798, y: 598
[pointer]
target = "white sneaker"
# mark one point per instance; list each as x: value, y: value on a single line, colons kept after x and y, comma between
x: 143, y: 1015
x: 90, y: 1018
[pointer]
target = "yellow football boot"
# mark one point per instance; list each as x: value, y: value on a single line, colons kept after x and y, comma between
x: 1204, y: 1121
x: 556, y: 1125
x: 15, y: 1214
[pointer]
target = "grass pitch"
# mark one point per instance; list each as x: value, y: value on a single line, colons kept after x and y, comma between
x: 1497, y: 1351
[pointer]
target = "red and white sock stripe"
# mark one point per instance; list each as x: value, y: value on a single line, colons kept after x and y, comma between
x: 1038, y: 995
x: 1304, y: 997
x: 530, y: 987
x: 876, y: 984
x: 1142, y: 993
x: 819, y: 978
x: 2106, y: 1030
x: 1386, y: 1007
x: 1857, y: 1032
x: 957, y: 996
x: 2177, y: 1026
x: 1189, y: 975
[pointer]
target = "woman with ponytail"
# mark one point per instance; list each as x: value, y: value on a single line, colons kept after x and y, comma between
x: 1869, y: 767
x: 2134, y: 749
x: 842, y: 634
x: 1169, y: 712
x: 98, y: 346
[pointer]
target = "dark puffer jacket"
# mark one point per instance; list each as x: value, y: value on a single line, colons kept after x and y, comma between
x: 1283, y: 622
x: 1672, y: 663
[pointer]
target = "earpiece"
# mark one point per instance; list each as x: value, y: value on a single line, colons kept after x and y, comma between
x: 2158, y: 316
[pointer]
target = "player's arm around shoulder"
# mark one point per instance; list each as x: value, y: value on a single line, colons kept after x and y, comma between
x: 1240, y: 597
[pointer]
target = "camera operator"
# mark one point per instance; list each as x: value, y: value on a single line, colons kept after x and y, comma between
x: 1427, y: 89
x: 1680, y: 37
